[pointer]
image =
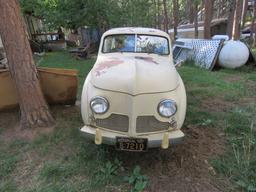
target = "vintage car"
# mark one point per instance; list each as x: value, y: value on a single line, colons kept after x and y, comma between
x: 133, y: 97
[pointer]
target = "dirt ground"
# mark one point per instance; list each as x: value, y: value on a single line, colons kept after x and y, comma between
x: 181, y: 168
x: 184, y: 167
x: 10, y: 122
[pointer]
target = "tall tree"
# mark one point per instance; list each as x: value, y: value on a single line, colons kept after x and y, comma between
x: 175, y: 18
x: 253, y: 28
x: 237, y: 21
x: 202, y: 8
x: 158, y: 14
x: 166, y: 20
x: 195, y: 4
x: 208, y: 18
x: 222, y: 7
x: 231, y: 14
x: 155, y: 13
x: 190, y: 11
x: 34, y: 110
x: 219, y: 8
x: 244, y: 12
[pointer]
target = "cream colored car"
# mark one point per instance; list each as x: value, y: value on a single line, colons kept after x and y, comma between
x: 133, y: 97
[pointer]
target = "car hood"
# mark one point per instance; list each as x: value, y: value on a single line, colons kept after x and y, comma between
x: 134, y: 74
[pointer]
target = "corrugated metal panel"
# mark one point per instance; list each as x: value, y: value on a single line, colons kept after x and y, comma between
x: 206, y: 52
x: 203, y: 52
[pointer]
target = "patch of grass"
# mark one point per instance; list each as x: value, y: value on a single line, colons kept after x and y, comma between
x: 75, y: 186
x: 239, y: 163
x: 100, y: 164
x: 72, y: 161
x: 197, y: 117
x: 239, y: 124
x: 137, y: 181
x: 203, y: 83
x: 55, y: 171
x: 7, y: 164
x: 7, y: 186
x: 108, y: 172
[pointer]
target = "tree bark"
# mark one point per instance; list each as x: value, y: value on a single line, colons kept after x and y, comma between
x: 218, y: 6
x: 196, y: 19
x: 158, y: 15
x: 244, y: 12
x: 223, y: 10
x: 166, y: 22
x: 253, y: 28
x: 208, y: 18
x: 155, y: 13
x: 237, y: 21
x: 202, y: 10
x: 232, y: 7
x: 34, y: 110
x: 175, y: 18
x: 190, y: 11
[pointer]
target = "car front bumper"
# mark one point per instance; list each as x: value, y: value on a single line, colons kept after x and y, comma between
x: 155, y: 140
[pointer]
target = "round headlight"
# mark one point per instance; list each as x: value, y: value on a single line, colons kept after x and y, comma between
x: 99, y: 105
x: 167, y: 108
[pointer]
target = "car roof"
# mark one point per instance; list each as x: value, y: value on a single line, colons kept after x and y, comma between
x: 136, y: 30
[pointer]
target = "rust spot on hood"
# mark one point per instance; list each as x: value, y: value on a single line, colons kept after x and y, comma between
x: 104, y: 65
x: 147, y: 59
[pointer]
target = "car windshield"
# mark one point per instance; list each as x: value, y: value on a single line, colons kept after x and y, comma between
x: 136, y: 43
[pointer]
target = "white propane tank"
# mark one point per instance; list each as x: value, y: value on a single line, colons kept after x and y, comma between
x: 234, y: 54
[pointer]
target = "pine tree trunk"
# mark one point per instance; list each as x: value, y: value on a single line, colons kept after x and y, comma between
x: 155, y: 13
x: 196, y: 19
x: 34, y: 110
x: 222, y: 8
x: 202, y: 10
x: 232, y: 7
x: 166, y: 22
x: 244, y: 12
x: 175, y: 18
x: 190, y: 11
x: 253, y: 25
x: 218, y: 3
x: 159, y: 14
x: 208, y: 18
x: 237, y: 21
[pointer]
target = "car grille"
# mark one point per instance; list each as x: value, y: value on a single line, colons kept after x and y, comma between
x: 114, y: 122
x: 150, y: 124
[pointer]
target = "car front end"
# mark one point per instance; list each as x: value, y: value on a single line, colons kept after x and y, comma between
x: 134, y: 101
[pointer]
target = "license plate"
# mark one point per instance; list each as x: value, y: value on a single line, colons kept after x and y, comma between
x: 131, y: 144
